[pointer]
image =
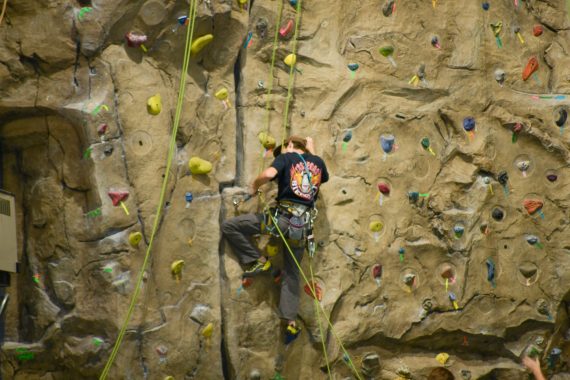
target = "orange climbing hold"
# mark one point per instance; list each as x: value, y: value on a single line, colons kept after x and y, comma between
x: 530, y: 68
x: 318, y: 290
x: 532, y: 205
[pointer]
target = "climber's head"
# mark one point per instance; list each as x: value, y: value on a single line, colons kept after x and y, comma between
x: 291, y: 143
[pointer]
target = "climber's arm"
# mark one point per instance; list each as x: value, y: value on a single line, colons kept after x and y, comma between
x: 266, y: 176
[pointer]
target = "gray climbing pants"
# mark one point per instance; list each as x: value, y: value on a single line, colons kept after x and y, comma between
x: 239, y: 230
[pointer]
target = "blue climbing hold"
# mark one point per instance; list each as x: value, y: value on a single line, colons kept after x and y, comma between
x: 353, y: 66
x: 387, y: 143
x: 491, y: 271
x: 188, y: 196
x: 485, y: 6
x: 293, y: 3
x: 347, y: 137
x: 469, y: 124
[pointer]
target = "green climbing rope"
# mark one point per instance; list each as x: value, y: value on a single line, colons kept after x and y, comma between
x: 318, y: 315
x: 270, y: 81
x: 291, y: 72
x: 171, y: 151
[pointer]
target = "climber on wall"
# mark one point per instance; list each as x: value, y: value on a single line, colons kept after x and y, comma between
x: 299, y: 174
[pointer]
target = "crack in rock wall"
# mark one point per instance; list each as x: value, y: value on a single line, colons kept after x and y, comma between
x: 400, y: 226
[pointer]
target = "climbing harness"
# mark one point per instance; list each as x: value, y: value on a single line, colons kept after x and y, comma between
x: 171, y: 152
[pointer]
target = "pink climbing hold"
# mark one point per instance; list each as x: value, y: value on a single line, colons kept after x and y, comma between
x: 286, y: 29
x: 134, y: 39
x: 102, y: 129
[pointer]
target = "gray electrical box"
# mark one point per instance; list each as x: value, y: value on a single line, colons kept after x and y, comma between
x: 8, y: 242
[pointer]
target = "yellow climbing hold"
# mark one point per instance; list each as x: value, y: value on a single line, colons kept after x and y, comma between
x: 442, y: 358
x: 190, y: 241
x: 290, y: 60
x: 208, y: 330
x: 271, y: 249
x: 222, y: 94
x: 199, y: 43
x: 199, y: 166
x: 176, y: 269
x: 154, y: 104
x: 376, y: 226
x: 266, y: 140
x: 169, y: 378
x: 135, y: 239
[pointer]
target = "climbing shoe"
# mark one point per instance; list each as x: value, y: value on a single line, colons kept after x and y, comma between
x: 257, y: 268
x: 291, y: 333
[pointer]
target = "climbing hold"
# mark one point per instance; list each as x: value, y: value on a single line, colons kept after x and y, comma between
x: 168, y: 378
x: 384, y: 188
x: 353, y: 67
x: 523, y: 166
x: 496, y: 28
x: 387, y: 144
x: 500, y: 76
x: 254, y: 375
x: 136, y: 40
x: 108, y: 149
x: 534, y: 241
x: 442, y: 358
x: 376, y: 226
x: 551, y: 177
x: 426, y: 144
x: 318, y: 290
x: 530, y: 68
x: 135, y: 239
x: 293, y: 3
x: 387, y: 52
x: 290, y: 60
x: 266, y: 140
x: 517, y: 31
x: 562, y: 117
x: 370, y: 364
x: 503, y: 178
x: 287, y: 28
x: 388, y: 8
x: 154, y: 104
x: 533, y: 206
x: 497, y: 214
x: 347, y: 137
x: 465, y: 374
x: 208, y: 330
x: 435, y: 42
x: 458, y: 231
x: 453, y: 299
x: 188, y: 197
x: 491, y: 271
x: 485, y: 6
x: 199, y: 166
x: 242, y: 4
x: 537, y: 30
x: 409, y: 279
x: 83, y: 11
x: 469, y: 126
x: 176, y: 269
x: 199, y: 43
x: 447, y: 272
x: 517, y: 128
x: 102, y: 129
x: 377, y: 274
x: 401, y: 252
x: 222, y: 94
x: 117, y: 197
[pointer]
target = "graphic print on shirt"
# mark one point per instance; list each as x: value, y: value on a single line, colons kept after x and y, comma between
x: 300, y: 183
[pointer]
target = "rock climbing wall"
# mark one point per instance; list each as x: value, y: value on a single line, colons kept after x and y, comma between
x: 442, y: 233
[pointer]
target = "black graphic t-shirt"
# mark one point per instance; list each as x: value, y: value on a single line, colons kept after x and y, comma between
x: 295, y: 184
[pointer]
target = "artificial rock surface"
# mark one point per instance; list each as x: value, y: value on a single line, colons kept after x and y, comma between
x: 64, y: 73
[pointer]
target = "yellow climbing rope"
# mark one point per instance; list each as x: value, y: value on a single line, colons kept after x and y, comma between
x: 3, y: 11
x: 291, y: 73
x: 171, y: 151
x: 270, y: 81
x: 311, y: 287
x: 318, y: 315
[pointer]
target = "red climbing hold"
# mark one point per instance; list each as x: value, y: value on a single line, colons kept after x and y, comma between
x: 102, y: 129
x: 118, y: 196
x: 246, y: 281
x: 318, y: 290
x: 532, y: 205
x: 384, y: 188
x: 537, y: 30
x: 530, y: 68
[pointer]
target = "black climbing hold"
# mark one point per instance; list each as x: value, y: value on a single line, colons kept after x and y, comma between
x: 552, y: 177
x: 498, y: 214
x: 388, y: 8
x: 562, y: 117
x: 503, y: 177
